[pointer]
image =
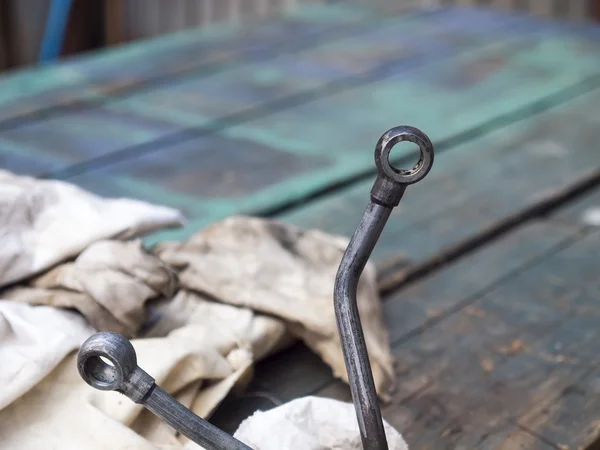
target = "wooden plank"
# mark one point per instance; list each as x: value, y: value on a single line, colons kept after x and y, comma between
x: 22, y: 163
x: 520, y: 439
x: 111, y: 74
x: 567, y: 418
x: 57, y: 142
x: 92, y: 76
x: 116, y: 72
x: 528, y: 160
x: 31, y: 135
x: 517, y: 439
x: 301, y: 134
x: 470, y: 374
x: 481, y: 20
x: 481, y: 418
x: 239, y: 92
x: 417, y: 307
x: 539, y: 372
x: 584, y: 211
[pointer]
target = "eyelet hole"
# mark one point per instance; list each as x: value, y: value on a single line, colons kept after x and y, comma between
x: 101, y: 371
x: 409, y: 149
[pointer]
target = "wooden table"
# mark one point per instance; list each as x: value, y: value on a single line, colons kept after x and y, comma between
x: 489, y: 268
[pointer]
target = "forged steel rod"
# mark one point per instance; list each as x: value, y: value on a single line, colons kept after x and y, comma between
x: 123, y: 375
x: 386, y: 194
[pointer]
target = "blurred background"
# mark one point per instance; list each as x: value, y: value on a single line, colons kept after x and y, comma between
x: 33, y: 31
x: 487, y: 272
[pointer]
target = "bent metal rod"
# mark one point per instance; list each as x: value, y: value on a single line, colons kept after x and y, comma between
x: 123, y: 374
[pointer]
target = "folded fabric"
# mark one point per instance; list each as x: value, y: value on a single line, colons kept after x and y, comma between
x: 285, y: 272
x: 198, y: 362
x: 309, y: 423
x: 45, y: 222
x: 109, y: 283
x: 268, y: 335
x: 33, y: 341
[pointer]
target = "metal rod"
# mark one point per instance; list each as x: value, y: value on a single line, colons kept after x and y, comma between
x: 386, y: 194
x: 123, y: 375
x: 354, y: 347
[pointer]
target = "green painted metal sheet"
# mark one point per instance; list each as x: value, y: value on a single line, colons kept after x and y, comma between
x: 392, y: 45
x: 267, y: 162
x: 306, y: 148
x: 473, y: 186
x: 93, y: 76
x: 209, y: 101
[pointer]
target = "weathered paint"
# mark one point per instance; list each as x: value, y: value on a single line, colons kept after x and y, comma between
x: 79, y: 137
x: 235, y: 172
x: 392, y: 45
x: 94, y: 75
x: 206, y: 100
x: 474, y: 185
x: 499, y: 354
x: 513, y: 140
x: 312, y: 130
x: 564, y: 418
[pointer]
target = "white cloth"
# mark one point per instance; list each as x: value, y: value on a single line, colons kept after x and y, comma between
x: 198, y: 362
x: 109, y: 283
x: 286, y: 272
x: 45, y: 222
x: 247, y: 288
x: 309, y: 423
x: 33, y: 341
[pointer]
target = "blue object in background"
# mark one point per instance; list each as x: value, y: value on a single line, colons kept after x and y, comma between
x: 56, y: 26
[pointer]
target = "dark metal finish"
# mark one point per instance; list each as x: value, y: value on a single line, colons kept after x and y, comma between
x: 123, y: 375
x: 386, y: 193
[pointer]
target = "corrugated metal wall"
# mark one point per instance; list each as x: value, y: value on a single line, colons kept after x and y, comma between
x: 110, y: 22
x: 569, y: 9
x: 146, y: 18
